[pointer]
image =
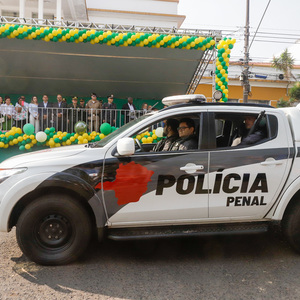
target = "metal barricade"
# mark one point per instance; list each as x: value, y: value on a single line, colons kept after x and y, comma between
x: 64, y: 119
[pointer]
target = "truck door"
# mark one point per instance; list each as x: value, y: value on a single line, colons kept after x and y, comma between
x: 157, y: 187
x: 244, y: 181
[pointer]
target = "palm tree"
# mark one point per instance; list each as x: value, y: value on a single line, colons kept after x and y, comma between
x: 284, y: 63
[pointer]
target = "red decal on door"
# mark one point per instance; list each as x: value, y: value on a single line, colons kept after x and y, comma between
x: 130, y: 184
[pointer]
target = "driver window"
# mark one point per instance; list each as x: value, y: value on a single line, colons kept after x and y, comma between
x: 178, y: 133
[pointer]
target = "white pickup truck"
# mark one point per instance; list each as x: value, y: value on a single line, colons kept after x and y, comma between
x: 119, y: 187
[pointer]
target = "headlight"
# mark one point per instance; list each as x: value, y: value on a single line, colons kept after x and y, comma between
x: 6, y: 173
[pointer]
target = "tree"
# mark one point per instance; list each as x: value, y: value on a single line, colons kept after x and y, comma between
x: 295, y: 91
x: 284, y: 63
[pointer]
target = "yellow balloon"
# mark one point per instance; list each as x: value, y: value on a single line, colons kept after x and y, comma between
x: 27, y: 146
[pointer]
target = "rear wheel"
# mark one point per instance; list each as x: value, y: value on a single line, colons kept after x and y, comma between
x: 291, y: 226
x: 53, y: 230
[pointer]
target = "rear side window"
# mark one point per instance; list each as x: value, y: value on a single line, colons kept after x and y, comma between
x: 243, y: 129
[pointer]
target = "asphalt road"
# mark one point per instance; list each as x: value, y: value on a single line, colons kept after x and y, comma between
x: 230, y: 267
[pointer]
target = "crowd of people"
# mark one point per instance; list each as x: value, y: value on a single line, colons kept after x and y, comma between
x: 63, y: 116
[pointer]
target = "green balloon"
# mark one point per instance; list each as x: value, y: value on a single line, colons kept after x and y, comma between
x: 56, y: 140
x: 105, y: 128
x: 22, y: 148
x: 52, y: 129
x: 28, y: 129
x: 80, y: 127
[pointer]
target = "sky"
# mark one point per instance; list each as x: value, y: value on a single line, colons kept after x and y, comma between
x: 280, y: 27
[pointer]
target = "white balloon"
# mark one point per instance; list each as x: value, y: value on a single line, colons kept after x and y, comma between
x: 159, y: 131
x: 41, y: 136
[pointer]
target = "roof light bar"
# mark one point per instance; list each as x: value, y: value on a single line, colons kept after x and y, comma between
x: 180, y: 99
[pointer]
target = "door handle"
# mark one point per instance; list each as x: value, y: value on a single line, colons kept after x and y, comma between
x: 271, y: 162
x: 191, y: 168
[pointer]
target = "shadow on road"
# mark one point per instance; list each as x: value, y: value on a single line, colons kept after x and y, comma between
x: 162, y: 269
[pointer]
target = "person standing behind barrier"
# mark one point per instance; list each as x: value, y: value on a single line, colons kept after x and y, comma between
x: 8, y: 111
x: 34, y: 114
x: 82, y: 110
x: 109, y: 111
x: 21, y: 115
x: 1, y: 116
x: 45, y: 113
x: 73, y: 114
x: 145, y: 108
x: 60, y: 113
x: 129, y: 110
x: 94, y: 106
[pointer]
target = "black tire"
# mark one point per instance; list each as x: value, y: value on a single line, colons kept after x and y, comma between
x: 54, y: 230
x: 291, y: 226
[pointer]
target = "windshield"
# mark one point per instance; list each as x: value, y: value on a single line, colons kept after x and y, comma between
x: 112, y: 135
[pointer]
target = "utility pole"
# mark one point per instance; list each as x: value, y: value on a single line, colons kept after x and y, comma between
x: 246, y: 85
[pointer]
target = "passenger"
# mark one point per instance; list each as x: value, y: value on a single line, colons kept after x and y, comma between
x: 248, y: 139
x: 170, y: 131
x: 187, y: 138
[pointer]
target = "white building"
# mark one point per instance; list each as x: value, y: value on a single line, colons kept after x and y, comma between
x: 154, y: 13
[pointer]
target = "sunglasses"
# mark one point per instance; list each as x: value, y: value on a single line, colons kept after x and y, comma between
x: 182, y: 128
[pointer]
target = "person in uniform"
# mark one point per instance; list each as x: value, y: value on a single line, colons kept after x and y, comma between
x: 94, y: 107
x: 83, y: 112
x: 109, y: 111
x: 187, y: 138
x: 171, y: 133
x: 73, y: 113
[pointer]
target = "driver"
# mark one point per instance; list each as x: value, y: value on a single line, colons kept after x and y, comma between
x: 245, y: 138
x: 170, y: 131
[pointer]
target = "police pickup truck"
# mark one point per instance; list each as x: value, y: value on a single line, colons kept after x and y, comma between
x: 119, y: 188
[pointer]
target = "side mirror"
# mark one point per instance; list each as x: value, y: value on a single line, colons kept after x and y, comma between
x: 125, y: 146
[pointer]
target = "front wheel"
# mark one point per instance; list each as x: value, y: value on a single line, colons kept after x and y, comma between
x: 53, y: 230
x: 291, y: 226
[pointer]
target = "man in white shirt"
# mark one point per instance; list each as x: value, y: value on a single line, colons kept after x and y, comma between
x: 129, y: 110
x: 8, y: 111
